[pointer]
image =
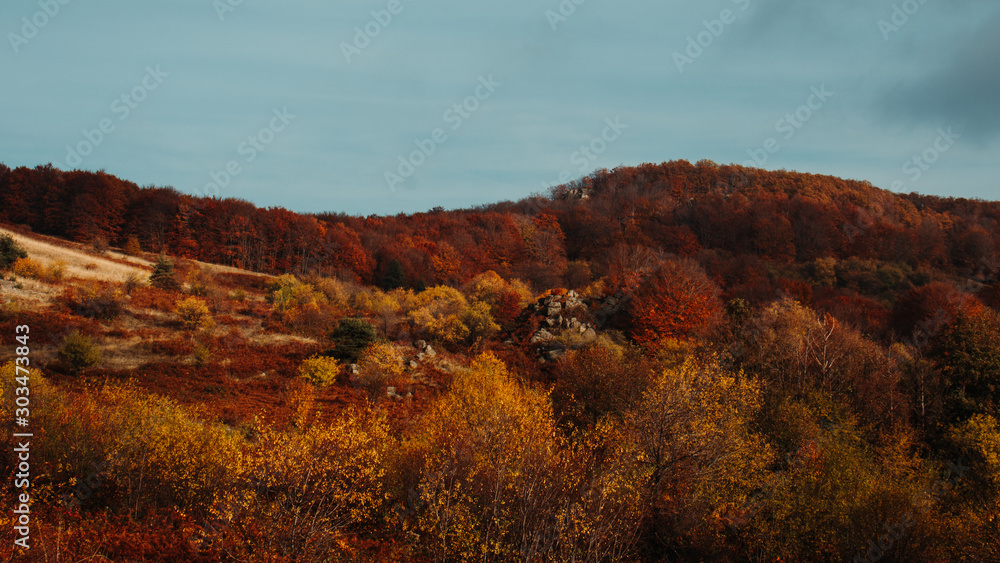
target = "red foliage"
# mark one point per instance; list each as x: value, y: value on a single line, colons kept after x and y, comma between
x: 923, y: 311
x: 148, y: 297
x: 677, y: 300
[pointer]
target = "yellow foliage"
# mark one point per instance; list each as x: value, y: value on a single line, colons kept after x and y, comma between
x: 485, y: 287
x: 321, y: 371
x: 311, y: 485
x: 161, y: 456
x: 28, y: 268
x: 693, y: 428
x: 979, y: 438
x: 379, y: 364
x: 438, y: 312
x: 288, y: 293
x: 497, y: 478
x: 479, y: 322
x: 193, y: 313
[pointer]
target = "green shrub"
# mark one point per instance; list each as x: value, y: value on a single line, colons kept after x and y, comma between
x: 350, y: 338
x: 163, y: 275
x: 10, y: 252
x: 78, y: 352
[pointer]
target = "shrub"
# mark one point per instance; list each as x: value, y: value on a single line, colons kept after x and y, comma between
x: 315, y: 484
x: 321, y: 371
x: 95, y: 301
x: 350, y: 338
x: 132, y: 247
x: 379, y: 364
x: 437, y: 312
x: 301, y: 398
x: 480, y: 323
x: 163, y: 275
x: 201, y: 282
x: 288, y: 293
x: 55, y: 272
x: 238, y: 295
x: 78, y: 352
x: 202, y: 354
x: 131, y: 283
x: 10, y: 252
x: 28, y: 268
x: 193, y: 313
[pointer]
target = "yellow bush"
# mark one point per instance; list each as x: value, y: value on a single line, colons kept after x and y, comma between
x: 479, y: 322
x: 164, y: 457
x: 55, y: 272
x: 438, y: 312
x: 193, y: 313
x: 321, y: 371
x: 289, y: 293
x: 28, y: 268
x: 312, y: 485
x: 979, y: 439
x: 379, y: 364
x: 486, y: 445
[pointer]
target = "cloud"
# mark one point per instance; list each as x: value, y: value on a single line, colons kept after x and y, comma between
x: 963, y: 93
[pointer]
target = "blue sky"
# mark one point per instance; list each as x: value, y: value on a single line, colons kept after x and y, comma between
x: 491, y: 101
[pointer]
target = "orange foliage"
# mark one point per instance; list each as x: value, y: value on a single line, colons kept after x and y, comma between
x: 676, y: 301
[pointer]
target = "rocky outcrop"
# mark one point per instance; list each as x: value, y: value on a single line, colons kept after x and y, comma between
x: 561, y: 330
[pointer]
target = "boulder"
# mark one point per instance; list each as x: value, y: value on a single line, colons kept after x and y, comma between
x: 430, y: 351
x: 419, y: 344
x: 542, y: 336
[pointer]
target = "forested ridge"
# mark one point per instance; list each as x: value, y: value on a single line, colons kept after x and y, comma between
x: 753, y: 215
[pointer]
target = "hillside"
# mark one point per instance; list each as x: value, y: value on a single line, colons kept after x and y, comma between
x: 671, y: 362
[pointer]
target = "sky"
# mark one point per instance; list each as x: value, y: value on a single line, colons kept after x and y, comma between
x: 390, y: 106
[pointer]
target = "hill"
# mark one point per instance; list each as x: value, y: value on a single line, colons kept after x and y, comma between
x: 668, y: 362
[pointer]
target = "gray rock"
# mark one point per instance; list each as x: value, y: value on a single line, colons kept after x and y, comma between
x: 419, y: 344
x: 413, y: 364
x: 390, y: 391
x: 555, y: 354
x: 430, y: 351
x: 542, y: 336
x: 590, y: 334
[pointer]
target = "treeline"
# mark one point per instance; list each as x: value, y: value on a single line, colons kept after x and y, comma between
x: 748, y: 219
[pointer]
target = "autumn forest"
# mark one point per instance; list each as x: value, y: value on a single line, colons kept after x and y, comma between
x: 671, y: 362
